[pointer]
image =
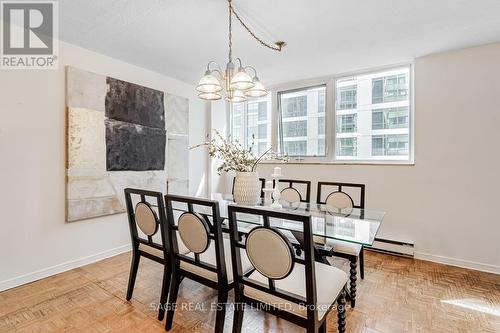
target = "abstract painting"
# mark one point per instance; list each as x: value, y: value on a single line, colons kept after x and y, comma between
x: 119, y: 135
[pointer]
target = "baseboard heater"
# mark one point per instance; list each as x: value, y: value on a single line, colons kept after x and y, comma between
x: 393, y: 247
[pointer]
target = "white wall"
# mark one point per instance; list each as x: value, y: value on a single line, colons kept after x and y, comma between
x: 447, y: 204
x: 35, y: 241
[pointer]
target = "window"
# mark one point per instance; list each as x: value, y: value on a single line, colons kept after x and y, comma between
x: 262, y: 107
x: 346, y: 96
x: 321, y: 125
x: 321, y: 147
x: 390, y: 88
x: 251, y: 122
x: 347, y: 123
x: 373, y: 116
x: 390, y: 118
x: 294, y: 106
x: 295, y: 128
x: 262, y: 131
x: 295, y: 148
x: 364, y: 117
x: 389, y: 145
x: 302, y: 121
x: 347, y: 146
x: 238, y: 132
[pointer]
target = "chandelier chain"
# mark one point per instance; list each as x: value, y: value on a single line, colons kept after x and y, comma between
x: 239, y: 85
x: 279, y: 45
x: 230, y: 31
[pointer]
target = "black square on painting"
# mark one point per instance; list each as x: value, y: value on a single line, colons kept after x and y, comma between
x: 135, y: 104
x: 135, y: 127
x: 132, y: 147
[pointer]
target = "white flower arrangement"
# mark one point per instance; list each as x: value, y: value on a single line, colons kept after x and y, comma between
x: 233, y: 155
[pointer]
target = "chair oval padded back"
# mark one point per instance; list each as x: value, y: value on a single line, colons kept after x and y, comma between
x: 270, y: 252
x: 146, y: 218
x: 194, y: 232
x: 290, y: 195
x: 339, y: 200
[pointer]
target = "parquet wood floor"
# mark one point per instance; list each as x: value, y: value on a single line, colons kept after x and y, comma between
x: 397, y: 295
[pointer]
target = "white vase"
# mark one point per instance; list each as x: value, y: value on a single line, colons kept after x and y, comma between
x: 247, y: 188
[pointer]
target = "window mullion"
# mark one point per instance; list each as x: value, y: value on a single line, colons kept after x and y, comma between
x: 330, y: 120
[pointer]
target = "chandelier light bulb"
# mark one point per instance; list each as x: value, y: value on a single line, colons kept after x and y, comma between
x: 241, y: 81
x: 236, y: 96
x: 258, y: 89
x: 208, y: 84
x: 210, y: 96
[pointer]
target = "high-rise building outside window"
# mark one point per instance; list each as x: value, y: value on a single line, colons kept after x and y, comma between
x: 372, y: 115
x: 302, y: 121
x: 251, y: 122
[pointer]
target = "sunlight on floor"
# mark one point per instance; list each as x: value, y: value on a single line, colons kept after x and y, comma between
x: 475, y: 304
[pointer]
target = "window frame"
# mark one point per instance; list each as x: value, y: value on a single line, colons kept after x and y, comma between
x: 276, y: 115
x: 411, y: 132
x: 331, y: 118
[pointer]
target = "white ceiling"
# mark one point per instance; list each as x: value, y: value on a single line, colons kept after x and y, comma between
x: 178, y: 38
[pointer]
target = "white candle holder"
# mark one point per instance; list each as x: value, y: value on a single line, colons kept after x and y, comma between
x: 276, y: 191
x: 268, y: 196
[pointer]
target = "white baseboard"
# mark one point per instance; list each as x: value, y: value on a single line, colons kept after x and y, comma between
x: 46, y: 272
x: 458, y: 262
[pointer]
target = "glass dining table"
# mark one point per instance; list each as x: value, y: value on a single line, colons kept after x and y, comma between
x: 353, y: 225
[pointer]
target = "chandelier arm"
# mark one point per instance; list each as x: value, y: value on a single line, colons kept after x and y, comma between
x: 239, y: 60
x: 278, y: 45
x: 252, y: 68
x: 220, y: 73
x: 213, y: 62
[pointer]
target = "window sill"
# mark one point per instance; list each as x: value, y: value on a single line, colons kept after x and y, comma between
x: 377, y: 163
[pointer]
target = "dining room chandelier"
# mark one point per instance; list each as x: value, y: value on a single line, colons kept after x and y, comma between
x: 240, y: 83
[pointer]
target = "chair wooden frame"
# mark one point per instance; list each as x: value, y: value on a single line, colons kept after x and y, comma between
x: 298, y: 234
x: 353, y: 259
x: 311, y: 322
x: 291, y: 182
x: 215, y: 235
x: 137, y: 253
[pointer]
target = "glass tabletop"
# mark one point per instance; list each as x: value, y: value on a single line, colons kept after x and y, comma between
x: 352, y: 225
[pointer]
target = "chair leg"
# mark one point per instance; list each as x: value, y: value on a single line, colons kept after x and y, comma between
x: 134, y: 266
x: 362, y: 263
x: 221, y: 311
x: 311, y: 326
x: 167, y: 275
x: 341, y: 311
x: 172, y: 300
x: 353, y: 277
x: 322, y: 328
x: 238, y: 316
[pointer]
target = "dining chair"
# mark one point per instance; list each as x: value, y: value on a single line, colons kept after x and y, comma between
x: 147, y: 223
x: 262, y: 182
x: 292, y: 287
x: 295, y: 190
x: 198, y: 224
x: 340, y: 196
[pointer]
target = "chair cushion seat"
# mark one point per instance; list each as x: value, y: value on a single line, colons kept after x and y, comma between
x: 344, y: 247
x: 159, y: 253
x: 329, y: 284
x: 151, y: 250
x: 209, y: 257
